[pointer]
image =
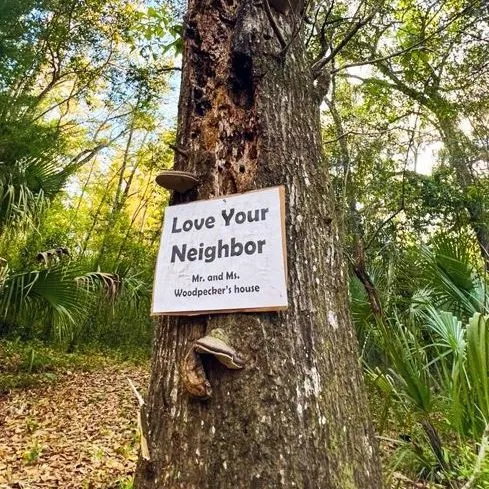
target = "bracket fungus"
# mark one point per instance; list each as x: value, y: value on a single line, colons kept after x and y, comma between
x: 216, y: 343
x: 179, y: 181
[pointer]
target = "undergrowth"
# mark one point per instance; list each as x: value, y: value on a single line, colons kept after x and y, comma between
x: 33, y: 363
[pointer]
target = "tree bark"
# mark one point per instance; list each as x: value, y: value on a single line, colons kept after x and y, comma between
x: 296, y: 416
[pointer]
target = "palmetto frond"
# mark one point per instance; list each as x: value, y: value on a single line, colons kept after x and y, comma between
x: 59, y: 298
x: 51, y: 296
x: 450, y: 273
x: 435, y: 356
x: 27, y: 185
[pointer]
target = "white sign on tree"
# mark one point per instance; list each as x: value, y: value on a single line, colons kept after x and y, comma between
x: 225, y: 254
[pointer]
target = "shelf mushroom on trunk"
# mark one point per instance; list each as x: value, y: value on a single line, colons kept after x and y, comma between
x: 178, y: 181
x: 216, y: 343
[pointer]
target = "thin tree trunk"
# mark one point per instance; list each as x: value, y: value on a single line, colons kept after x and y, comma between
x: 97, y: 214
x: 82, y: 193
x: 296, y: 416
x: 144, y: 200
x: 352, y: 217
x: 118, y: 203
x: 457, y: 146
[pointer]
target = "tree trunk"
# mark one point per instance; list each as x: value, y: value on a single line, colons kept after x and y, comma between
x: 296, y: 416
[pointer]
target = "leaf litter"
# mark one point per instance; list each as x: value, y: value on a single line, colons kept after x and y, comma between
x: 80, y: 432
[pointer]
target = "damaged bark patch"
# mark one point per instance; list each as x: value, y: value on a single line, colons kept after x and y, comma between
x: 241, y: 80
x: 205, y: 72
x: 201, y: 102
x: 223, y: 130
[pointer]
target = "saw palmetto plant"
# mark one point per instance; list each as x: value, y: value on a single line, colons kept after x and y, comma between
x: 54, y: 298
x: 27, y: 185
x: 430, y: 358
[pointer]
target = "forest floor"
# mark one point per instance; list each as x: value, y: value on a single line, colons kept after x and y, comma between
x: 69, y: 421
x: 77, y: 431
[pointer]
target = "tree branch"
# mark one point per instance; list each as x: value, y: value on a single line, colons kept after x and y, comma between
x: 403, y: 191
x: 276, y: 29
x: 318, y: 65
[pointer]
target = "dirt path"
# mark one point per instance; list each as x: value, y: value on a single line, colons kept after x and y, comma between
x: 78, y: 433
